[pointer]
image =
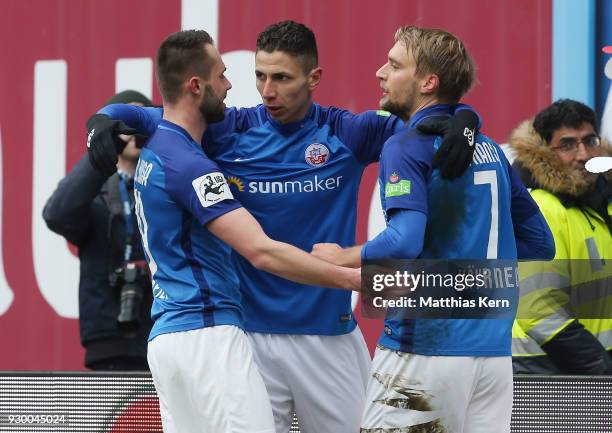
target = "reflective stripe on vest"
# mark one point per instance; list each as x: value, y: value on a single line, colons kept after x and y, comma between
x: 526, y: 347
x: 549, y: 326
x: 544, y: 280
x: 596, y: 262
x: 605, y: 338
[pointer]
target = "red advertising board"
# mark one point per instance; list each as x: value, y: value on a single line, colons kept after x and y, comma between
x: 63, y: 58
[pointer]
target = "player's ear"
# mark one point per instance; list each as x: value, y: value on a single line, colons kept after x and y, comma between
x: 194, y: 85
x: 314, y: 78
x: 430, y: 84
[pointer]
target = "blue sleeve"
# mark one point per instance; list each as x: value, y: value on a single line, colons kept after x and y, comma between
x: 236, y: 120
x: 364, y: 133
x: 143, y: 119
x: 402, y: 239
x: 405, y: 167
x: 534, y: 239
x: 198, y: 185
x: 523, y: 205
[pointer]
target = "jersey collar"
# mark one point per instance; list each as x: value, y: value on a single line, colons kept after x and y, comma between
x: 290, y: 128
x: 431, y: 111
x: 164, y: 124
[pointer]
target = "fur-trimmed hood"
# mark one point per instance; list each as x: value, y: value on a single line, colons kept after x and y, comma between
x: 540, y: 167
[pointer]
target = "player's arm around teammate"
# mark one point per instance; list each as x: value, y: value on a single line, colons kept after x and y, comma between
x: 240, y: 230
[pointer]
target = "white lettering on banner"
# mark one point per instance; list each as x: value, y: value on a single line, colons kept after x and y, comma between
x: 201, y: 14
x: 376, y: 224
x: 240, y: 66
x: 55, y: 268
x: 376, y: 216
x: 134, y: 74
x: 204, y: 14
x: 6, y: 294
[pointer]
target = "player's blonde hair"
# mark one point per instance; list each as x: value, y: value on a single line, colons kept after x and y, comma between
x: 439, y: 52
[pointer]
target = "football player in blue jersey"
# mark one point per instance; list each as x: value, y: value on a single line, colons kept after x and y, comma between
x: 200, y: 358
x: 296, y: 166
x: 433, y: 374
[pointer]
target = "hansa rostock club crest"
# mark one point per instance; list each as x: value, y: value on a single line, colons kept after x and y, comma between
x: 316, y: 154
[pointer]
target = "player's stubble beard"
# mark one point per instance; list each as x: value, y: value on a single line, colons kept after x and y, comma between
x: 401, y: 107
x: 212, y: 107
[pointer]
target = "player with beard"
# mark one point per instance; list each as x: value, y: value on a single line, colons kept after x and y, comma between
x: 200, y: 358
x: 439, y: 374
x: 212, y: 107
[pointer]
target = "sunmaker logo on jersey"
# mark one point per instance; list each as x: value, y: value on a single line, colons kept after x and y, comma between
x: 211, y: 188
x: 316, y: 154
x: 313, y: 184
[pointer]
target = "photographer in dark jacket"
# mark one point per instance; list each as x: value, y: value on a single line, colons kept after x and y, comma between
x: 93, y: 208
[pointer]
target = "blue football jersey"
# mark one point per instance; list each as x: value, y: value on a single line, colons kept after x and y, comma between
x: 300, y: 181
x: 468, y: 218
x: 178, y: 190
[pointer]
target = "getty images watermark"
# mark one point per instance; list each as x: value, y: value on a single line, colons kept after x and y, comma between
x: 441, y: 288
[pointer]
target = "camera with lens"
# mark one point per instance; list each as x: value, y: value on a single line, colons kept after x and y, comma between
x: 130, y: 279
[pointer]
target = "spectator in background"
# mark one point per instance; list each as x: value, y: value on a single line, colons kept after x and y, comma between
x: 564, y: 323
x: 92, y: 208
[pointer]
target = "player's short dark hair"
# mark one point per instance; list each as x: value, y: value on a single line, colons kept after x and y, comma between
x: 180, y: 56
x: 563, y: 113
x: 292, y: 38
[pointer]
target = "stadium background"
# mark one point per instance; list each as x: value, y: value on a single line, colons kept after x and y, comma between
x: 61, y: 59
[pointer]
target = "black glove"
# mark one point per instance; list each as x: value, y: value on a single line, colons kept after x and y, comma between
x: 455, y: 153
x: 104, y: 143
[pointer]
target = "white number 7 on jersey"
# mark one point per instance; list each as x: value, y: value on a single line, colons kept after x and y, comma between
x: 490, y: 177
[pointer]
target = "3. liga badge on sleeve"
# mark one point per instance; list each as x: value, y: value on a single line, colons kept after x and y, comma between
x: 316, y: 154
x: 211, y: 188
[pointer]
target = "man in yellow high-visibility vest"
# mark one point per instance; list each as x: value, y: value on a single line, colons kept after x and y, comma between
x: 564, y: 322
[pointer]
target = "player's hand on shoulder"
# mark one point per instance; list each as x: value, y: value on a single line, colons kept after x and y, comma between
x: 457, y: 148
x: 327, y: 251
x: 104, y: 143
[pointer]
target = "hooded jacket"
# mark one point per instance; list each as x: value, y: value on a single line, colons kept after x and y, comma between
x: 564, y: 320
